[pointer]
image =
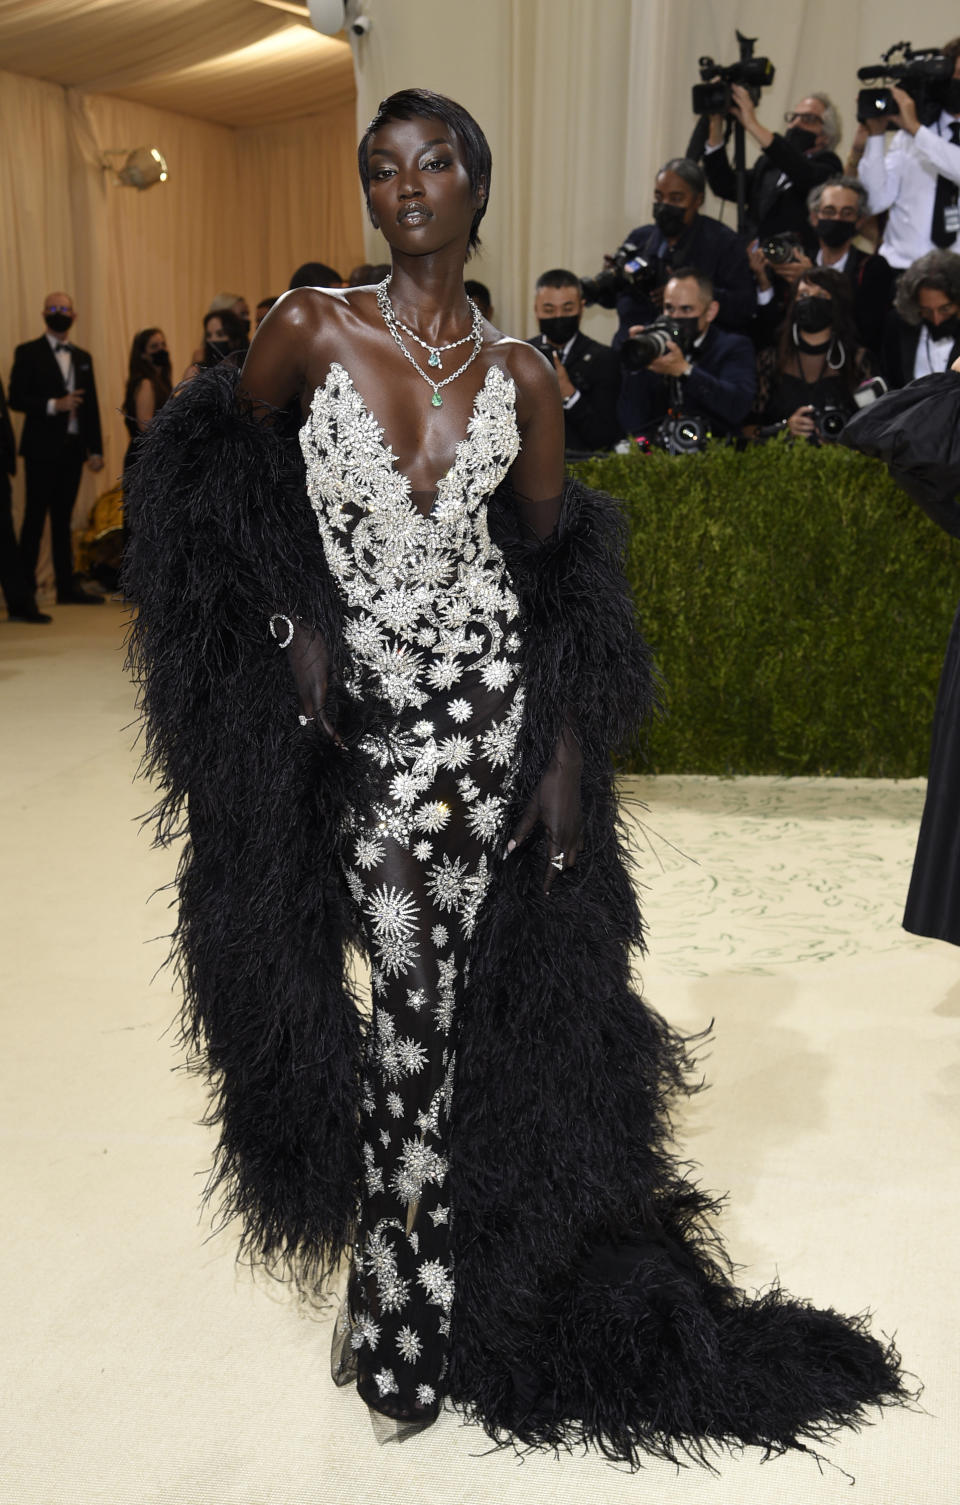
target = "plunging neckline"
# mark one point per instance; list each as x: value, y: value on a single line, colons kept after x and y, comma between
x: 384, y: 450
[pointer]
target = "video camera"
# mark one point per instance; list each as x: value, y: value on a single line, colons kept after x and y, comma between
x: 923, y: 75
x: 640, y: 349
x: 713, y: 96
x: 628, y: 269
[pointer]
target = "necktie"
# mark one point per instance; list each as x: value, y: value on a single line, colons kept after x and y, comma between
x: 59, y: 347
x: 946, y: 197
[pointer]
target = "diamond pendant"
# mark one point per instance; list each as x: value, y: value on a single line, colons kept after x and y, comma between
x: 434, y: 358
x: 437, y: 400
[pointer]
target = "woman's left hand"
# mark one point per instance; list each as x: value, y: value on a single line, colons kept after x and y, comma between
x: 555, y: 804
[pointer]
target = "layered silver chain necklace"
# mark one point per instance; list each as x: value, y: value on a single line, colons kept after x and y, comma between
x: 394, y: 324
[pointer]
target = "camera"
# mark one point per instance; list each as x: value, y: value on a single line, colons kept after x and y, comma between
x: 780, y: 249
x: 682, y: 436
x: 640, y: 349
x: 713, y: 96
x: 830, y: 420
x: 629, y: 269
x: 924, y: 75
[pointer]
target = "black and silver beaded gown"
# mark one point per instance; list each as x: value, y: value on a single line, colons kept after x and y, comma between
x: 430, y: 626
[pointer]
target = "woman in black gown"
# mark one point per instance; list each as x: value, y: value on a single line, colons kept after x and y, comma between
x: 433, y: 783
x: 915, y: 431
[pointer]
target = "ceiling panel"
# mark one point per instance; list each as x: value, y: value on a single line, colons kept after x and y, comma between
x: 237, y: 62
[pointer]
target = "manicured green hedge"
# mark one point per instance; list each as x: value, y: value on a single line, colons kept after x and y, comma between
x: 798, y: 604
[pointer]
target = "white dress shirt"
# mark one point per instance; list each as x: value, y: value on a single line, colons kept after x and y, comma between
x: 64, y: 359
x: 905, y: 182
x: 932, y: 355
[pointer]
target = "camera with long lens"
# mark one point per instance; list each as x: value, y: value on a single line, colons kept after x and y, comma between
x: 924, y: 75
x: 639, y: 350
x: 780, y: 249
x: 628, y: 269
x: 714, y: 97
x: 682, y: 436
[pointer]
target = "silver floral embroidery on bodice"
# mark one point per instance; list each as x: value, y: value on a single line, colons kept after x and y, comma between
x: 427, y: 595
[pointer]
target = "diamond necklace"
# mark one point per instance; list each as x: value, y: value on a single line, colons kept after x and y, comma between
x: 391, y: 321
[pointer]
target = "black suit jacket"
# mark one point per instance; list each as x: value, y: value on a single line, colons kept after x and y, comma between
x: 8, y: 444
x: 594, y: 369
x: 900, y: 341
x: 711, y: 248
x: 35, y: 378
x: 721, y: 387
x: 774, y: 207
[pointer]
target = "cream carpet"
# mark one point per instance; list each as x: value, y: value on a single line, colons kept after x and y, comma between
x: 140, y: 1367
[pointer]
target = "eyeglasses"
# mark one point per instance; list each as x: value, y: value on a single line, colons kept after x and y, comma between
x: 58, y: 308
x: 846, y: 214
x: 793, y: 116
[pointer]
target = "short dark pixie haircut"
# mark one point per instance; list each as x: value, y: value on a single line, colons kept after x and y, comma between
x: 412, y: 104
x: 558, y: 277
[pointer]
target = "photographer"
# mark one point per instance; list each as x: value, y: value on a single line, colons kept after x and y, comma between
x: 919, y: 177
x: 681, y: 236
x: 806, y: 384
x: 788, y: 167
x: 837, y: 211
x: 588, y: 372
x: 710, y: 374
x: 923, y: 335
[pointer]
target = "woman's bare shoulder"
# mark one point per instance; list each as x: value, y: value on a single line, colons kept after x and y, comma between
x: 533, y: 376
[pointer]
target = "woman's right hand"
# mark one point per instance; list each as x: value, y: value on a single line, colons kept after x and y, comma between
x: 309, y: 659
x: 800, y: 423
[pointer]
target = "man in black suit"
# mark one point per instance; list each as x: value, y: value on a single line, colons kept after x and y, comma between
x: 714, y: 376
x: 923, y: 331
x: 52, y: 383
x: 21, y: 605
x: 588, y: 372
x: 682, y: 236
x: 788, y: 167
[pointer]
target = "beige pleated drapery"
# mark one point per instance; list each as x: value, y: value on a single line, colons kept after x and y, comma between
x: 241, y: 209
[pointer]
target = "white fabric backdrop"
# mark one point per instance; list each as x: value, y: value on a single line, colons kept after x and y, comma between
x: 583, y: 99
x: 241, y: 209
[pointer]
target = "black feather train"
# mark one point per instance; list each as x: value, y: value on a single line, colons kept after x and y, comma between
x: 594, y: 1303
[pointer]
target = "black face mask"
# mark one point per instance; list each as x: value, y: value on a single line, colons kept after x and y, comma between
x: 951, y: 97
x: 689, y: 331
x: 58, y: 323
x: 220, y: 348
x: 161, y: 359
x: 812, y: 315
x: 559, y: 331
x: 947, y: 329
x: 804, y: 141
x: 669, y: 219
x: 835, y: 232
x: 245, y: 321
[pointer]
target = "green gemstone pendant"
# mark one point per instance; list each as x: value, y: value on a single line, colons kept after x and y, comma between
x: 437, y: 400
x: 434, y: 358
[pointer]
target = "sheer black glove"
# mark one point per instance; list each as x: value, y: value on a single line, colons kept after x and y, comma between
x: 555, y: 804
x: 309, y: 659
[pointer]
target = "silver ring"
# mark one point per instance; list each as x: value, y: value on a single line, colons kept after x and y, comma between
x: 557, y: 862
x: 303, y: 720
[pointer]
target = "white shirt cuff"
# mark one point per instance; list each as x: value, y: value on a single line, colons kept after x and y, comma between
x: 764, y: 296
x: 708, y: 149
x: 572, y: 400
x: 51, y: 407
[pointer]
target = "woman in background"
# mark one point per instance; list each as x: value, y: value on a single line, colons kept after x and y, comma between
x: 148, y: 386
x: 817, y: 364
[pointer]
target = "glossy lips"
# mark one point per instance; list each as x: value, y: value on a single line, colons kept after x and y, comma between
x: 414, y: 214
